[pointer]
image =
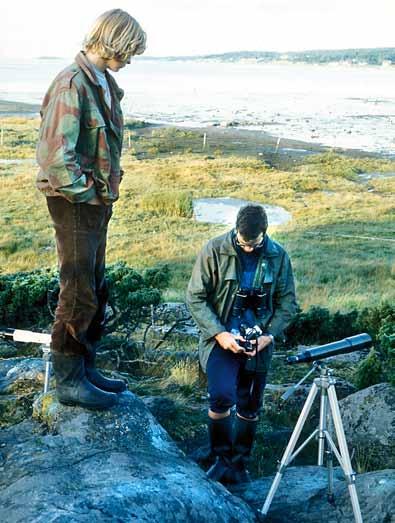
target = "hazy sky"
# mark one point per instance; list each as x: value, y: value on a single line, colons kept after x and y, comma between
x: 183, y: 27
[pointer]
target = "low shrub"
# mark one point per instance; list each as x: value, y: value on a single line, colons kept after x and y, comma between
x: 28, y: 298
x: 24, y: 297
x: 168, y: 203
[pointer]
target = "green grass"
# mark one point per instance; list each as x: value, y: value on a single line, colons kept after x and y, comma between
x: 18, y: 137
x: 176, y: 204
x: 334, y: 213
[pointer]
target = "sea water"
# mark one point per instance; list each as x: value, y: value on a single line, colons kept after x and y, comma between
x: 334, y: 105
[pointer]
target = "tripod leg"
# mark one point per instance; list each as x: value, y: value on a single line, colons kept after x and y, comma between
x: 47, y: 364
x: 290, y: 447
x: 329, y: 459
x: 346, y: 465
x: 322, y: 429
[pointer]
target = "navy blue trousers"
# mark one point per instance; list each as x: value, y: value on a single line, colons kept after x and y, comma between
x: 230, y: 384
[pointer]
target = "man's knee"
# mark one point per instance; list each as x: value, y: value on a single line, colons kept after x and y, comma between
x: 222, y: 399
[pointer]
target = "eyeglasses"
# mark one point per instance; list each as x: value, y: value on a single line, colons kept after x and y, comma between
x: 254, y: 244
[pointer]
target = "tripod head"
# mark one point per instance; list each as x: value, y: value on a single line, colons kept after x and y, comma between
x: 318, y: 366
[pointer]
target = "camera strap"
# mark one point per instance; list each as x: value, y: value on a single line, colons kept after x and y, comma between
x: 263, y: 278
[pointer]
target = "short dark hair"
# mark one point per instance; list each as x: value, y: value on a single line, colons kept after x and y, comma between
x: 251, y: 221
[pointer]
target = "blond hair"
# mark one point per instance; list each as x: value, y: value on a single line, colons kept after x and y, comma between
x: 115, y: 34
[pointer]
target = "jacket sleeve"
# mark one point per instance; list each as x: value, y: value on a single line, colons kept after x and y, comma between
x: 201, y: 285
x: 56, y: 150
x: 284, y: 299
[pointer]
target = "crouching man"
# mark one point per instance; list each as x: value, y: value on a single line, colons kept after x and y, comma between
x: 242, y: 296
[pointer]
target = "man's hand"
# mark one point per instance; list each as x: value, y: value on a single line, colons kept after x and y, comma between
x: 263, y: 342
x: 227, y: 341
x: 114, y: 184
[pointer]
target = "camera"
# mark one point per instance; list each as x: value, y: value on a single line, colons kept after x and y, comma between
x: 249, y: 334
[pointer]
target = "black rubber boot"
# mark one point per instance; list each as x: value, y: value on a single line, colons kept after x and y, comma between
x: 72, y: 386
x: 244, y: 436
x: 94, y: 376
x: 220, y: 437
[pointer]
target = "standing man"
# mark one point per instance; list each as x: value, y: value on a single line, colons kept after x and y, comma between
x: 78, y: 152
x: 241, y: 295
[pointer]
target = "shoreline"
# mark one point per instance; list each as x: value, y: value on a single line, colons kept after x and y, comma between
x: 260, y: 141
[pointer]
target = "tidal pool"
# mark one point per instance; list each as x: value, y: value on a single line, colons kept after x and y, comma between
x: 224, y: 211
x: 366, y: 177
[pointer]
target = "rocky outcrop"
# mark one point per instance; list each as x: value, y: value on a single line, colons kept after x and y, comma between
x: 174, y: 321
x: 302, y: 497
x: 369, y: 423
x: 18, y: 373
x: 74, y: 465
x: 20, y: 380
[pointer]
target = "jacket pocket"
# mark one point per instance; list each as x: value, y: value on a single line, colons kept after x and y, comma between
x: 92, y: 118
x: 92, y: 128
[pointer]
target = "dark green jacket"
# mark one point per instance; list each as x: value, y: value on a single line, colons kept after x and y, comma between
x: 215, y: 280
x: 80, y: 139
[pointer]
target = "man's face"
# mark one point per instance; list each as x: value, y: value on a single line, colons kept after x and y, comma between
x: 249, y: 245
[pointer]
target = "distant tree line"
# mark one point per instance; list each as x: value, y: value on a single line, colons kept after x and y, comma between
x: 373, y: 56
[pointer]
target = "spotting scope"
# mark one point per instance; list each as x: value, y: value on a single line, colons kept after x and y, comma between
x: 357, y: 342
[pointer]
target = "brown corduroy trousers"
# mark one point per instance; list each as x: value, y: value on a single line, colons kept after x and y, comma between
x: 81, y: 235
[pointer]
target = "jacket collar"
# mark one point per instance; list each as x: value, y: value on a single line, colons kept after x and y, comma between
x: 83, y: 62
x: 227, y: 248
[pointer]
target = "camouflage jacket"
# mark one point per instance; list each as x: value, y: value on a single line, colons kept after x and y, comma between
x: 215, y: 279
x: 80, y: 139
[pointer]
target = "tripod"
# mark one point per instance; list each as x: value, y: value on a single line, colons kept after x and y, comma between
x: 326, y: 384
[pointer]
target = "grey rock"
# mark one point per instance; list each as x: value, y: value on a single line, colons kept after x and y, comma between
x: 302, y: 497
x: 17, y: 371
x: 369, y: 423
x: 171, y: 311
x: 20, y: 380
x: 168, y: 314
x: 350, y: 358
x: 75, y: 465
x: 7, y: 350
x: 171, y: 326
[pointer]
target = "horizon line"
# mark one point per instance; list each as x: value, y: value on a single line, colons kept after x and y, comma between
x: 223, y: 53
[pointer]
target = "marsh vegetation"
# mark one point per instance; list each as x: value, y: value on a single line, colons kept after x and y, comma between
x: 341, y: 238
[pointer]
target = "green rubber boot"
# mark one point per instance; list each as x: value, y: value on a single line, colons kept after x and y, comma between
x: 73, y: 387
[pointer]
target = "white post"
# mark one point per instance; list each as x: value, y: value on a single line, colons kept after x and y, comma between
x: 204, y: 141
